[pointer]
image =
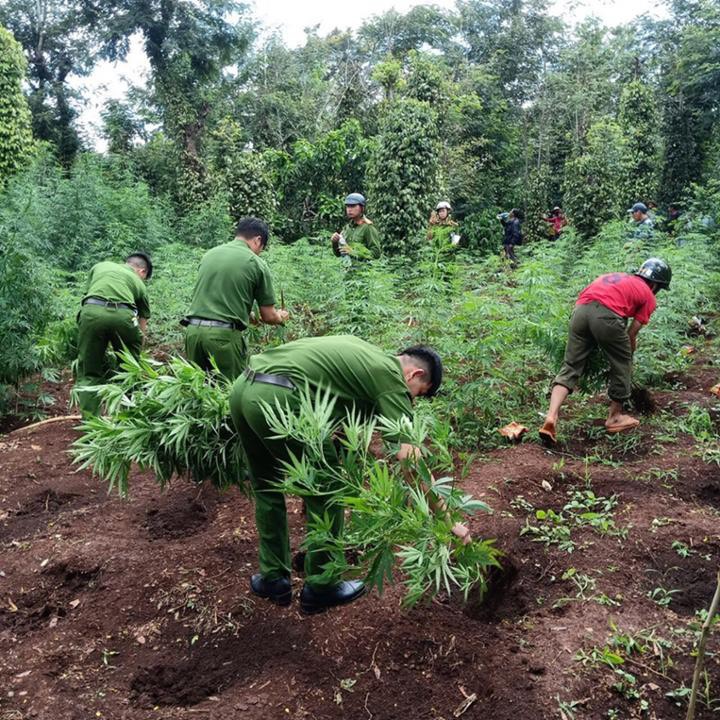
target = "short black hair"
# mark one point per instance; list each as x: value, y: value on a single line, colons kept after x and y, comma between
x: 141, y: 260
x: 250, y: 227
x: 430, y: 361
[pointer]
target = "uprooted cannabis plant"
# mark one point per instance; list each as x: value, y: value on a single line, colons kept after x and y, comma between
x: 170, y: 419
x: 165, y: 418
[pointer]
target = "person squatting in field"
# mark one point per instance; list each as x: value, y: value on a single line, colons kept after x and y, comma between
x: 357, y: 375
x: 231, y: 278
x: 600, y: 320
x: 114, y: 311
x: 359, y: 239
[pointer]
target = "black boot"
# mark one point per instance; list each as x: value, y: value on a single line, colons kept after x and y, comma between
x: 314, y: 601
x: 278, y: 591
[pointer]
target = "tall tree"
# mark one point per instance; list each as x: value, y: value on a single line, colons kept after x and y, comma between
x: 60, y: 38
x: 15, y: 134
x: 404, y: 172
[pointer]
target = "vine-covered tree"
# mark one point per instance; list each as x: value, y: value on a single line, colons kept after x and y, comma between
x: 593, y: 190
x: 15, y: 134
x: 639, y: 121
x: 404, y: 172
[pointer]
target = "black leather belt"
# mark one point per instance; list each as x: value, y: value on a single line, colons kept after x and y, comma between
x: 279, y: 380
x: 203, y: 322
x: 108, y: 303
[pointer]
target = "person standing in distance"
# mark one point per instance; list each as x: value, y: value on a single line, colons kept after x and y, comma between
x: 231, y: 278
x: 115, y: 310
x: 359, y: 238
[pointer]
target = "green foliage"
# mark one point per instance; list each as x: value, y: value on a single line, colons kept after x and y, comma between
x: 313, y: 178
x: 97, y: 211
x: 639, y: 120
x: 404, y: 172
x: 167, y: 419
x: 15, y: 135
x: 241, y: 174
x: 391, y: 515
x: 593, y: 190
x: 25, y: 304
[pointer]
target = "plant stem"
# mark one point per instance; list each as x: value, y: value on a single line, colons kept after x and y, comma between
x: 701, y: 650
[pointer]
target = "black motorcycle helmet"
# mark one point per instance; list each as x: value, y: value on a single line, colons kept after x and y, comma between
x: 657, y: 271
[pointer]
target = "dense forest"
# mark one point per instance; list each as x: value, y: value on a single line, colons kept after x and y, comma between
x: 490, y: 106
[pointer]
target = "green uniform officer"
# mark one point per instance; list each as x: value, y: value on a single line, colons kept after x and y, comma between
x: 114, y: 312
x: 599, y: 321
x: 359, y: 238
x: 231, y: 278
x: 357, y: 374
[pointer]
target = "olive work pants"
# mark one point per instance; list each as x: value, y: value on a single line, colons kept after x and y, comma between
x: 592, y: 326
x: 265, y: 456
x: 99, y: 327
x: 227, y: 346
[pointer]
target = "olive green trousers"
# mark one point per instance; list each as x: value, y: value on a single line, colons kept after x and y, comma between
x: 99, y: 327
x: 265, y: 456
x: 595, y: 326
x: 228, y: 347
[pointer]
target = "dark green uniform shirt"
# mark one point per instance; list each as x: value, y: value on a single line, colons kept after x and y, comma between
x: 355, y: 372
x: 118, y: 282
x: 231, y: 277
x: 363, y: 239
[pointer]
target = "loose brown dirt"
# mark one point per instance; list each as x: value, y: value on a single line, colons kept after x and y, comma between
x: 140, y: 608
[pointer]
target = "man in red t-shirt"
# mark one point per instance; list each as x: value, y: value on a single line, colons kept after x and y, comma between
x: 599, y: 320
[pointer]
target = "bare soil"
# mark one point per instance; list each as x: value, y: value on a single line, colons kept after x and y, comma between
x: 140, y: 608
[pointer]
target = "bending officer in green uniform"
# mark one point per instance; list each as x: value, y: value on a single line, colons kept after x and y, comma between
x: 114, y: 311
x: 360, y: 238
x: 357, y: 374
x: 231, y: 278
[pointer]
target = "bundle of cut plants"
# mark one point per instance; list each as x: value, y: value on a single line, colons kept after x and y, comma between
x: 168, y: 419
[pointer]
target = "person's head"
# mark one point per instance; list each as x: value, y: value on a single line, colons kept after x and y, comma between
x: 141, y: 263
x: 443, y: 209
x: 354, y: 206
x: 422, y: 369
x: 656, y: 273
x: 557, y: 210
x: 254, y: 232
x: 638, y: 211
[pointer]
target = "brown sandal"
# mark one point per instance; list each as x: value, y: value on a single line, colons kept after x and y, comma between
x: 548, y: 434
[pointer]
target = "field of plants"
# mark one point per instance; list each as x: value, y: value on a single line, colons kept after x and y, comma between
x: 127, y: 540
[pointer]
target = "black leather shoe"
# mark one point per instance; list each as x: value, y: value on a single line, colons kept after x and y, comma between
x: 312, y: 601
x: 278, y: 591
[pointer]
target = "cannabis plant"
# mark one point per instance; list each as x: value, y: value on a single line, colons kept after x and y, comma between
x: 169, y: 419
x: 397, y: 511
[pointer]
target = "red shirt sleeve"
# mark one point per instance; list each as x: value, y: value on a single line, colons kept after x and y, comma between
x: 646, y: 307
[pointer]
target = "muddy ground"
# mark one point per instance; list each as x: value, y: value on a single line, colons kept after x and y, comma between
x: 140, y: 608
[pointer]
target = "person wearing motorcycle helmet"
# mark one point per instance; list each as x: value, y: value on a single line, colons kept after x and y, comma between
x: 599, y: 320
x: 359, y: 239
x: 442, y: 229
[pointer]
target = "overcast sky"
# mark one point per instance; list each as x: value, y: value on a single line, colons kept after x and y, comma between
x: 110, y: 80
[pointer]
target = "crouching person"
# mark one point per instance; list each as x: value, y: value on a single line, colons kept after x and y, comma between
x: 600, y: 321
x: 357, y: 374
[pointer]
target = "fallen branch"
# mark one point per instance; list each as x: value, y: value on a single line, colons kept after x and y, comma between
x: 704, y: 634
x: 60, y: 418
